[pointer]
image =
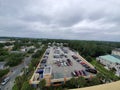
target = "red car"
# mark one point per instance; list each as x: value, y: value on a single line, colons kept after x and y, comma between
x: 82, y: 63
x: 80, y: 72
x: 77, y: 73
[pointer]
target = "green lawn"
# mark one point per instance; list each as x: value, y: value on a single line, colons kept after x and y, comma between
x: 109, y: 74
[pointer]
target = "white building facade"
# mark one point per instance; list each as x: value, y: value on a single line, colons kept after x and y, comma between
x: 116, y: 51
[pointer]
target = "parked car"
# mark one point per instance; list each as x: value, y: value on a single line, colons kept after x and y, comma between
x: 74, y: 57
x: 77, y: 74
x: 73, y: 73
x: 86, y: 66
x: 82, y: 63
x: 5, y: 81
x: 84, y: 73
x: 62, y: 64
x: 70, y: 63
x: 80, y: 72
x: 91, y: 70
x: 78, y: 60
x: 58, y: 64
x: 67, y: 63
x: 68, y: 60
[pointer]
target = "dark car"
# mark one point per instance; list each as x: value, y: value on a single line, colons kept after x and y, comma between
x: 78, y: 60
x: 80, y: 73
x: 73, y: 73
x: 77, y: 74
x: 84, y: 73
x: 86, y: 66
x: 68, y: 60
x: 70, y: 63
x: 74, y: 57
x: 67, y: 63
x: 91, y: 70
x: 43, y: 61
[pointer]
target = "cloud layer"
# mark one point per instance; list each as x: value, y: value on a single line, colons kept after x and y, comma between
x: 65, y: 19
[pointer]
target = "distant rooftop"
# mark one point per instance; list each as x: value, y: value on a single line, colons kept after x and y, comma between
x: 116, y: 49
x: 110, y: 58
x: 2, y: 63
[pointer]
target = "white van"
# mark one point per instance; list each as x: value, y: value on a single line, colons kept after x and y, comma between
x: 5, y: 80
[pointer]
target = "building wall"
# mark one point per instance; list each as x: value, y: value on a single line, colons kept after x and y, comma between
x: 109, y: 64
x: 106, y: 62
x: 114, y: 52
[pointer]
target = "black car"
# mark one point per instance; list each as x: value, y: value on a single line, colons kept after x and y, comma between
x: 91, y: 70
x: 78, y: 60
x: 86, y: 66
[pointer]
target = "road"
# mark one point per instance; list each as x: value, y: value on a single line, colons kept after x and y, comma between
x: 15, y: 71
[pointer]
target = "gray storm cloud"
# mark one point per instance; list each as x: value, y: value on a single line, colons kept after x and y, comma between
x: 65, y: 19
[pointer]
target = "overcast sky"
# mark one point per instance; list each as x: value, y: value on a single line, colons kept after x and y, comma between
x: 64, y: 19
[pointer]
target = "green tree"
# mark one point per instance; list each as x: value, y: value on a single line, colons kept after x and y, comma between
x: 95, y: 81
x: 26, y: 86
x: 42, y: 84
x: 89, y: 58
x: 20, y: 80
x: 14, y: 59
x: 15, y: 87
x: 3, y: 72
x: 80, y: 82
x: 71, y: 83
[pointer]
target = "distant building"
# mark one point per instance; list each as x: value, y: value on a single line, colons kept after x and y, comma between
x: 110, y: 61
x: 2, y: 65
x: 116, y: 51
x: 8, y: 47
x: 25, y: 49
x: 6, y: 41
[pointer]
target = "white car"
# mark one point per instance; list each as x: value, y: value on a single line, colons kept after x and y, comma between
x: 65, y: 64
x: 62, y: 64
x: 5, y: 81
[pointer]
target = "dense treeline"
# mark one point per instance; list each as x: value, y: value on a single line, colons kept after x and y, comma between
x: 25, y: 42
x: 93, y: 48
x: 88, y: 48
x: 3, y: 54
x: 14, y: 59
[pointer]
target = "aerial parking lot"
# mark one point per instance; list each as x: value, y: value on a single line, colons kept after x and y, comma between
x: 59, y: 63
x: 66, y: 63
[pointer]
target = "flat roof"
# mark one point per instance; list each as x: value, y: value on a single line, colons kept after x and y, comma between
x: 110, y: 58
x: 58, y: 75
x: 47, y: 70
